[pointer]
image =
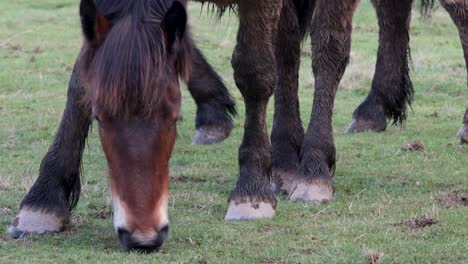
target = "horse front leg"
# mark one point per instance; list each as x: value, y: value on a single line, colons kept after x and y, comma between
x: 288, y: 133
x: 46, y: 208
x: 255, y: 75
x: 458, y: 10
x: 392, y: 88
x: 331, y: 38
x: 215, y: 106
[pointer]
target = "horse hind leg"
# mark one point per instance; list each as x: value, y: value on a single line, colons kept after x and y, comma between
x: 255, y: 75
x: 215, y: 106
x: 392, y: 88
x: 287, y: 133
x: 458, y: 10
x: 46, y: 207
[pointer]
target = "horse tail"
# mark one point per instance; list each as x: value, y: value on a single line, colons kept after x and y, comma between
x: 305, y: 11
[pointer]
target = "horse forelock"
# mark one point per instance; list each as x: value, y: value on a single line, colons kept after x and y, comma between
x: 129, y: 71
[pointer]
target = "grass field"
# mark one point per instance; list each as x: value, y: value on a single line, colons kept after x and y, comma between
x: 400, y: 206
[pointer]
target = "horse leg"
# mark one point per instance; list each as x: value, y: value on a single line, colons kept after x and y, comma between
x: 458, y: 10
x: 255, y: 75
x: 392, y: 88
x: 287, y: 133
x: 215, y: 106
x: 331, y: 38
x: 46, y: 208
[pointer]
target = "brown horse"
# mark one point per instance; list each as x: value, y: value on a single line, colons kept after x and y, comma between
x: 392, y: 89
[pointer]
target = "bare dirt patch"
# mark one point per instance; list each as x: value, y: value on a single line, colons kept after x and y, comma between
x: 416, y: 145
x: 453, y: 199
x: 183, y: 178
x: 417, y: 223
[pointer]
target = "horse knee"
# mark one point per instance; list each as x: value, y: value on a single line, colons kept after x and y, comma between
x: 254, y: 73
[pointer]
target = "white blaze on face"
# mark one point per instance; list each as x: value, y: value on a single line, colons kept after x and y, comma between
x: 119, y: 213
x: 160, y: 216
x: 162, y: 211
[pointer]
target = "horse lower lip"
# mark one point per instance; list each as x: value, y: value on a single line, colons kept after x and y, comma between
x: 145, y: 249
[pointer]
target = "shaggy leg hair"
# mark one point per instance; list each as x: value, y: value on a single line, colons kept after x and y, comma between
x: 46, y: 208
x: 331, y: 44
x: 392, y: 89
x: 215, y: 106
x: 255, y: 73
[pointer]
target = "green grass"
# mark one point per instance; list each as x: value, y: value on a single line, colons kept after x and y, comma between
x: 377, y: 184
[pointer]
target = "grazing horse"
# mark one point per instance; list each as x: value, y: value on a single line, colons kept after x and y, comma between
x: 392, y: 89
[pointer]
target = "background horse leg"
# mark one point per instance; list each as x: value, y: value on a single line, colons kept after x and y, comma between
x: 391, y: 89
x: 215, y: 106
x: 458, y: 10
x: 331, y: 38
x: 46, y: 208
x: 287, y: 133
x: 463, y: 132
x: 255, y: 75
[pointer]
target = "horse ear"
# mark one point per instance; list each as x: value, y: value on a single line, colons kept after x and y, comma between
x: 94, y: 24
x: 174, y: 23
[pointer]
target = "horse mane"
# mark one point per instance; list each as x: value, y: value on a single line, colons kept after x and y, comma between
x: 129, y: 71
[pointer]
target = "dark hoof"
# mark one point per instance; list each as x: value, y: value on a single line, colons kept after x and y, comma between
x: 359, y: 125
x: 248, y: 211
x: 207, y: 135
x: 463, y: 134
x: 36, y: 222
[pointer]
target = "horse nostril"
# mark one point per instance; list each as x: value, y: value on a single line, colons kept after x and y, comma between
x: 124, y: 237
x: 162, y: 235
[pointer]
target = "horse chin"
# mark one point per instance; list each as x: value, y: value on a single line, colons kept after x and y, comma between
x: 37, y: 222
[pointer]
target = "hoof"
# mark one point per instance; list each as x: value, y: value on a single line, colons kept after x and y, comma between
x: 207, y: 135
x: 358, y: 126
x: 36, y: 222
x: 246, y: 211
x: 463, y: 134
x: 313, y: 192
